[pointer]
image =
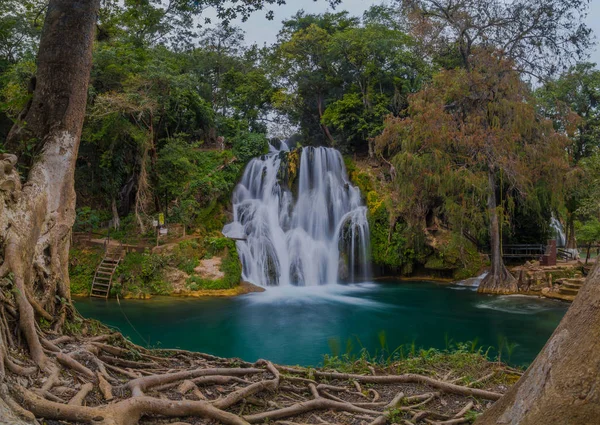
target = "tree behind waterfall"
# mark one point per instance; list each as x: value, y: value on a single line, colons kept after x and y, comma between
x: 541, y: 37
x: 466, y: 134
x: 339, y: 76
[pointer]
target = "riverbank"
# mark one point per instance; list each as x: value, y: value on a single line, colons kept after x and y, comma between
x: 195, y: 267
x: 560, y: 282
x: 209, y: 266
x: 420, y: 386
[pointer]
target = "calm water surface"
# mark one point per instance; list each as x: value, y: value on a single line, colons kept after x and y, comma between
x: 298, y: 325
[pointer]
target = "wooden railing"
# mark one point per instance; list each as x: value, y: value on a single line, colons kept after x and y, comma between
x: 565, y: 254
x: 523, y: 250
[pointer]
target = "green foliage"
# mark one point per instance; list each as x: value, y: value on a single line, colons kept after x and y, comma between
x: 457, y: 254
x: 201, y: 181
x: 89, y: 219
x: 572, y: 102
x: 19, y: 29
x: 355, y: 122
x: 467, y: 360
x: 588, y: 233
x: 82, y: 267
x: 185, y: 256
x: 160, y: 112
x: 142, y: 274
x: 453, y: 153
x: 345, y: 75
x: 389, y: 245
x: 15, y: 92
x: 249, y: 145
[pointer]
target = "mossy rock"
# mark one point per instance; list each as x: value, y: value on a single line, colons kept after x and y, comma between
x: 289, y: 168
x: 456, y: 254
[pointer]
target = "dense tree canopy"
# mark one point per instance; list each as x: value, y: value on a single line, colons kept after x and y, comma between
x: 165, y: 90
x: 571, y: 101
x: 341, y: 76
x: 542, y: 37
x: 464, y: 133
x: 172, y: 113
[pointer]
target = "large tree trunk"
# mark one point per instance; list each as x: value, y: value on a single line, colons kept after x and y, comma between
x: 499, y: 280
x: 561, y: 386
x: 571, y: 241
x: 36, y: 218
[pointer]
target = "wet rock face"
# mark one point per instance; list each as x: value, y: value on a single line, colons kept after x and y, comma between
x: 343, y: 272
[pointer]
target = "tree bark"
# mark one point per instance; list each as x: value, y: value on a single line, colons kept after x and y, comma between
x: 499, y: 280
x: 571, y: 241
x: 561, y: 385
x: 36, y: 218
x: 323, y: 126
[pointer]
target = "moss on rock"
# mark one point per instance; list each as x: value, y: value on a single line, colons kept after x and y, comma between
x: 397, y: 247
x: 456, y: 255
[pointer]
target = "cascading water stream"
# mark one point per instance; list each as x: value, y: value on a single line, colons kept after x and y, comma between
x: 319, y: 236
x: 559, y: 232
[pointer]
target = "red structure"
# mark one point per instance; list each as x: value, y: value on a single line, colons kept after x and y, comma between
x: 549, y: 257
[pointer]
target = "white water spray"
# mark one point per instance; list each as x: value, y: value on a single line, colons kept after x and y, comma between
x: 320, y: 236
x: 559, y: 232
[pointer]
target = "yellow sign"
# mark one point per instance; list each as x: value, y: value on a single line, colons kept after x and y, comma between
x: 161, y: 219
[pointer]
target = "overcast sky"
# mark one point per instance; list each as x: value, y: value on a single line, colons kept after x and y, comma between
x: 260, y: 30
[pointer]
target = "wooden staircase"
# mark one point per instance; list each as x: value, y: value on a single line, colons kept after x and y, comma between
x: 106, y: 270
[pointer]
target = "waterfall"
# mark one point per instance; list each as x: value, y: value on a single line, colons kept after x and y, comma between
x: 472, y: 282
x: 559, y: 232
x: 319, y: 234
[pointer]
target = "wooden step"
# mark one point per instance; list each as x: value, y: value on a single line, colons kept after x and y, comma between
x: 107, y: 269
x: 101, y: 289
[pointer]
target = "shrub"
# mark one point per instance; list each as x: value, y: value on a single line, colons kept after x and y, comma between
x: 82, y: 267
x: 142, y: 274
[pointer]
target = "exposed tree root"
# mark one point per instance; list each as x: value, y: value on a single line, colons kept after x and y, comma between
x: 413, y: 378
x: 170, y: 387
